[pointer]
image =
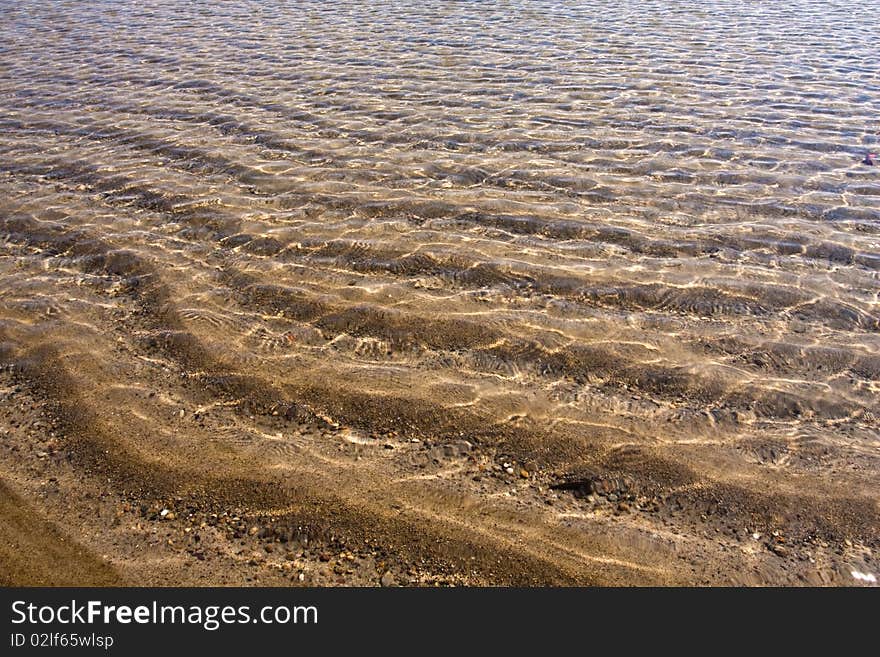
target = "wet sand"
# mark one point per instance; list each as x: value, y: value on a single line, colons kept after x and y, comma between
x: 412, y: 295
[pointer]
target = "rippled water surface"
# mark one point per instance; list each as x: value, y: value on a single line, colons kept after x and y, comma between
x: 566, y: 228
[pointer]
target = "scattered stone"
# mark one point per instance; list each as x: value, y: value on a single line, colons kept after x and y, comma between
x: 870, y: 578
x: 779, y: 550
x: 387, y: 580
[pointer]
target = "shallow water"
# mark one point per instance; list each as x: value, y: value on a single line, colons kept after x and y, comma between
x: 569, y: 225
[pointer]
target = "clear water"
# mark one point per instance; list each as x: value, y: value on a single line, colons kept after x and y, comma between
x: 633, y: 225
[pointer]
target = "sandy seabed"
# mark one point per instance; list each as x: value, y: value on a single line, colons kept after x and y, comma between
x: 344, y: 295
